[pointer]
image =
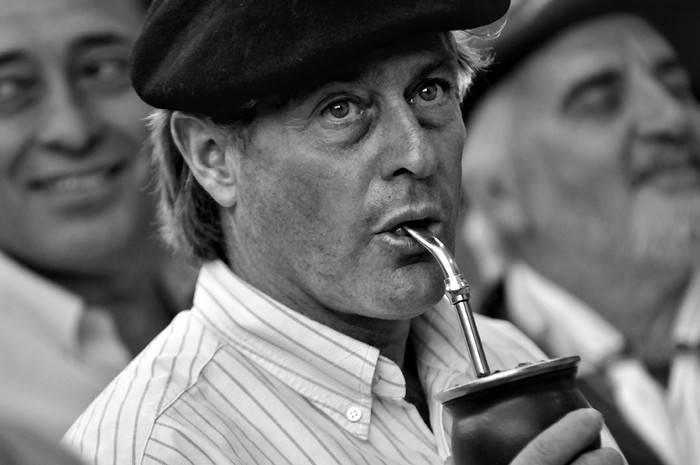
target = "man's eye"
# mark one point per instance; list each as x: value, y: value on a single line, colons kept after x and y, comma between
x: 430, y: 92
x: 15, y: 93
x: 341, y: 110
x: 107, y: 69
x: 597, y: 101
x: 108, y: 73
x: 9, y: 88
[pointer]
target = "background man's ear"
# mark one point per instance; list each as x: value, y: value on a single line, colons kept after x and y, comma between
x: 209, y: 155
x: 502, y: 204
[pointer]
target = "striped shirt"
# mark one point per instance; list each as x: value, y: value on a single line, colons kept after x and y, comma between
x: 242, y: 379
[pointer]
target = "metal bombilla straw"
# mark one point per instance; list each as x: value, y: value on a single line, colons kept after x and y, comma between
x: 495, y: 416
x: 457, y: 289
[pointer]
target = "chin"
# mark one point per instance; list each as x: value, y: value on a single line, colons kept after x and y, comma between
x: 90, y: 249
x: 395, y: 292
x: 76, y: 261
x: 415, y: 300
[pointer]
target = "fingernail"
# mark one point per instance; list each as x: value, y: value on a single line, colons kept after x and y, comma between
x: 593, y: 413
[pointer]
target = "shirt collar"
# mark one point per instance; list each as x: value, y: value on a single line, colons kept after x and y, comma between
x: 687, y: 326
x: 562, y: 324
x: 336, y: 373
x: 47, y: 307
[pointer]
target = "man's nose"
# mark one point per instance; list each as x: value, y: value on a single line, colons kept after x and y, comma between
x: 67, y: 124
x: 408, y: 147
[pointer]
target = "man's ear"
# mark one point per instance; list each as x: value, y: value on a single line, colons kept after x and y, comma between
x: 501, y: 202
x: 209, y: 155
x: 489, y: 168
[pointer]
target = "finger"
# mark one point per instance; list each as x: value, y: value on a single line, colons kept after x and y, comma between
x: 562, y: 441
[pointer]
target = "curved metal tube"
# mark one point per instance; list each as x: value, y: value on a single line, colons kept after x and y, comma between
x: 457, y: 289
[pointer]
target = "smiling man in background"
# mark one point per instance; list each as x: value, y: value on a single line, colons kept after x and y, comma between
x: 84, y: 282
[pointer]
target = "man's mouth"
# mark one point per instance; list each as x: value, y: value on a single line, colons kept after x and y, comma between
x: 424, y: 223
x: 670, y: 173
x: 78, y: 182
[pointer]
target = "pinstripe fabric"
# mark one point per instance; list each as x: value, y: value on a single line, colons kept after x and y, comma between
x: 241, y: 379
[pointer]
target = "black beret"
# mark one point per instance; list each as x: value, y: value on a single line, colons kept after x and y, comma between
x: 212, y: 56
x: 531, y: 23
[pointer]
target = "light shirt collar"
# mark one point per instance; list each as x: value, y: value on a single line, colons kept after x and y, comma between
x: 684, y: 383
x: 668, y: 419
x: 48, y: 307
x: 687, y: 328
x: 546, y: 312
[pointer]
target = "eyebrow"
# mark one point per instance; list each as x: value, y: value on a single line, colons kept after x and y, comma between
x: 671, y: 63
x: 87, y: 42
x: 99, y: 39
x: 436, y: 61
x: 12, y: 56
x: 609, y: 76
x: 442, y: 62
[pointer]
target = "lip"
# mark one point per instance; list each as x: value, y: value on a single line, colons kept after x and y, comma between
x: 672, y: 178
x: 666, y: 161
x: 77, y: 179
x: 673, y: 169
x: 430, y: 217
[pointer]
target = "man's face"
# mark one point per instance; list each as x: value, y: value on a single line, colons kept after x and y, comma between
x: 606, y: 144
x: 71, y: 129
x: 326, y: 181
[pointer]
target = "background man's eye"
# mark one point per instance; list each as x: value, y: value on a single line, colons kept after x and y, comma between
x: 339, y: 109
x: 17, y: 93
x: 103, y: 73
x: 106, y: 70
x: 8, y: 89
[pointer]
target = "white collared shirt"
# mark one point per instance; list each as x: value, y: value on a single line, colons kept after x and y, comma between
x: 48, y: 375
x: 242, y: 379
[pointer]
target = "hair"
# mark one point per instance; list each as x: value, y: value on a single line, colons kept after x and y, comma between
x: 190, y: 218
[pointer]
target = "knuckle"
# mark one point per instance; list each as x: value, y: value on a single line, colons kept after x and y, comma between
x: 545, y: 452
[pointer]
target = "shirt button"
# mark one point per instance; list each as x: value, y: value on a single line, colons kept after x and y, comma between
x: 353, y: 414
